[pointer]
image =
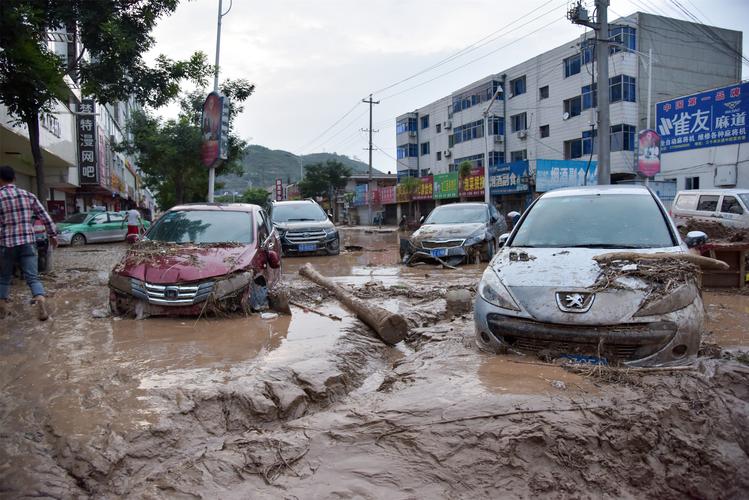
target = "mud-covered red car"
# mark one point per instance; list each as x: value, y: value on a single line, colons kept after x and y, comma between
x: 199, y: 258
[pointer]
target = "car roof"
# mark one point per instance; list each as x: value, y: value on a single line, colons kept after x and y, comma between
x: 634, y: 189
x: 715, y: 191
x: 217, y: 207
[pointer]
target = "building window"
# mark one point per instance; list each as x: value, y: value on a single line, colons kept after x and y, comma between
x: 573, y: 149
x: 588, y: 52
x: 572, y: 65
x: 622, y: 37
x: 408, y: 151
x: 543, y: 92
x: 589, y: 142
x: 425, y: 148
x: 622, y: 138
x: 496, y: 125
x: 405, y: 125
x: 692, y: 183
x: 425, y: 172
x: 543, y: 131
x: 589, y: 96
x: 519, y: 155
x: 468, y: 132
x: 476, y: 96
x: 622, y: 88
x: 518, y: 86
x: 519, y: 122
x: 425, y: 121
x: 439, y: 155
x: 496, y: 158
x: 573, y: 106
x: 439, y: 128
x: 476, y: 161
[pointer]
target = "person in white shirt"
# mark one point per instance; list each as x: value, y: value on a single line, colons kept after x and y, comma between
x: 133, y: 222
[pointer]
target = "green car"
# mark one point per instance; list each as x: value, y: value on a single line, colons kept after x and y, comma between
x: 93, y: 227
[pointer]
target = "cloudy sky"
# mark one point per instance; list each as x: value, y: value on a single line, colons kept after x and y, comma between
x: 313, y: 60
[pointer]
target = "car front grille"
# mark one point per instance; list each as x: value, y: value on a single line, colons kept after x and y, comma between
x: 171, y: 295
x: 441, y: 243
x: 623, y: 342
x: 309, y: 236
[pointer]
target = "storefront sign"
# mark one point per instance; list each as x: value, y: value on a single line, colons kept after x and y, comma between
x: 473, y: 185
x: 387, y: 195
x: 509, y: 178
x: 445, y: 186
x: 425, y: 188
x: 554, y: 174
x: 649, y: 153
x: 401, y: 194
x: 279, y: 189
x: 360, y: 195
x: 86, y: 126
x: 711, y: 118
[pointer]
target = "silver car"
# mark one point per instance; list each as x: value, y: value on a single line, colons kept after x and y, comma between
x: 538, y: 294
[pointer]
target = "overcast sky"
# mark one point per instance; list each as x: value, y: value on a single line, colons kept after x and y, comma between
x: 313, y: 60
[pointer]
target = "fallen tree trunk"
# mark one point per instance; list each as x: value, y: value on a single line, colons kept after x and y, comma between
x: 699, y: 260
x: 390, y: 327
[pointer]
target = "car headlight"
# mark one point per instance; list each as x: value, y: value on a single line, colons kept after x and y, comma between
x: 65, y: 231
x: 673, y: 301
x: 494, y: 292
x: 119, y: 282
x: 475, y: 238
x: 330, y: 230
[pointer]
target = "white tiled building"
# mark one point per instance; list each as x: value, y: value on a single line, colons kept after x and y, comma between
x: 547, y: 108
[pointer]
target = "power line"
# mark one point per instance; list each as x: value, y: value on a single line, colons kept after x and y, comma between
x: 301, y: 149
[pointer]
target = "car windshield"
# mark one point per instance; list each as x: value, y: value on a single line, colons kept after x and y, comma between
x: 202, y: 226
x: 595, y: 221
x: 75, y: 219
x: 745, y: 198
x: 457, y: 214
x: 293, y: 212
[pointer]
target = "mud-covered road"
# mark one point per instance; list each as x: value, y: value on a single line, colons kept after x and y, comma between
x: 309, y: 406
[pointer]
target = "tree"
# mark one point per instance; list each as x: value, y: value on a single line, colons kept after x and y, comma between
x: 324, y: 179
x: 464, y: 170
x: 256, y: 196
x: 168, y: 151
x: 410, y: 185
x: 110, y: 67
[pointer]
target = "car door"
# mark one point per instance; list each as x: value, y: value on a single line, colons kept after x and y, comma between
x: 707, y: 207
x: 97, y: 228
x: 731, y: 211
x: 116, y: 227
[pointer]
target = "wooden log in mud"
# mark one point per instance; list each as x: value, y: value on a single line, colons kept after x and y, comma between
x: 390, y: 327
x: 703, y: 262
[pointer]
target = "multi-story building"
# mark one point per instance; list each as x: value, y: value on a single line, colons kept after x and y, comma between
x: 543, y: 112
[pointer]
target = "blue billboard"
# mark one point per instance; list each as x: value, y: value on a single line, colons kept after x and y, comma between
x: 554, y: 174
x: 508, y: 178
x: 713, y: 118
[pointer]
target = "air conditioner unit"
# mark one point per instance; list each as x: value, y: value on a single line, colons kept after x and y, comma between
x: 522, y: 134
x: 448, y: 124
x: 499, y: 139
x: 447, y: 153
x: 412, y: 134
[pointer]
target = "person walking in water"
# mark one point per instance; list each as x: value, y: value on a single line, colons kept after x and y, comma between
x: 18, y: 242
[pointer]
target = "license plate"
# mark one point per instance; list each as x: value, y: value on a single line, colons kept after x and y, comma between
x: 438, y: 252
x: 309, y: 247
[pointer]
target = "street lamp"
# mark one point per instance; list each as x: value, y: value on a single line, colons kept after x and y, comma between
x: 487, y: 194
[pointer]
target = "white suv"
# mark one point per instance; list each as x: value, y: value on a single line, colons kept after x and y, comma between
x: 729, y: 207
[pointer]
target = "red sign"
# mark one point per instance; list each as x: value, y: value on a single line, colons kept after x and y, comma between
x: 387, y: 195
x: 473, y: 184
x: 279, y: 189
x: 649, y: 153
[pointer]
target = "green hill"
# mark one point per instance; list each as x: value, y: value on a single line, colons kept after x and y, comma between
x: 262, y: 166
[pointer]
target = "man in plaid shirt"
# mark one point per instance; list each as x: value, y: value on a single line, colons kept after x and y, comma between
x: 17, y: 239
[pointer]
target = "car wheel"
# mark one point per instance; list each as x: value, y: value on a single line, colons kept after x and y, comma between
x: 77, y: 240
x: 337, y: 249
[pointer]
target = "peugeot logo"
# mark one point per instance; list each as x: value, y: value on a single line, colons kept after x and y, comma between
x: 171, y: 293
x: 574, y: 302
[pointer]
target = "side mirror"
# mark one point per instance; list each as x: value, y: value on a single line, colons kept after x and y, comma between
x: 695, y: 239
x: 503, y: 239
x: 421, y: 220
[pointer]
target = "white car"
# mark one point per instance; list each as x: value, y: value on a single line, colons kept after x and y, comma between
x: 538, y: 295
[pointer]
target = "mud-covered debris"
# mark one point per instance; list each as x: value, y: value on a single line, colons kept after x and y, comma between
x: 715, y: 231
x: 458, y: 302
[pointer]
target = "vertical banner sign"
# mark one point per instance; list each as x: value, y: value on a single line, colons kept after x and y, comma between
x: 86, y: 126
x: 212, y: 121
x: 649, y: 153
x: 279, y: 189
x: 711, y: 118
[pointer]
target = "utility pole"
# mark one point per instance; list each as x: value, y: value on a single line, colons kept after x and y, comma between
x: 370, y: 148
x: 579, y: 15
x: 212, y: 170
x: 487, y: 191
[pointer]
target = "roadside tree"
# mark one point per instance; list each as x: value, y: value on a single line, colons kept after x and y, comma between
x: 325, y: 179
x: 114, y: 36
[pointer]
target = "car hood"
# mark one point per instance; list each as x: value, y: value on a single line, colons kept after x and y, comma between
x: 533, y: 276
x: 446, y: 231
x: 176, y: 263
x: 305, y: 224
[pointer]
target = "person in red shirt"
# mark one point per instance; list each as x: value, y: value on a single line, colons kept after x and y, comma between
x: 18, y: 241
